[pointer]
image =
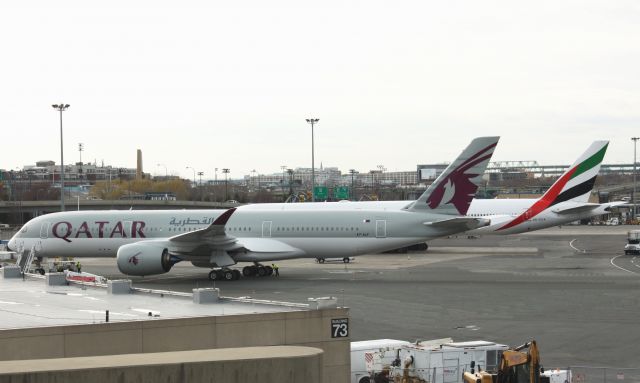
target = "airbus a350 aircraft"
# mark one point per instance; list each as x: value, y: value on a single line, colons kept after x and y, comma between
x: 151, y: 242
x: 566, y: 201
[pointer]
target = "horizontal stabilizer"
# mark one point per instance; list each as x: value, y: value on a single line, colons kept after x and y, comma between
x: 463, y: 223
x: 577, y: 209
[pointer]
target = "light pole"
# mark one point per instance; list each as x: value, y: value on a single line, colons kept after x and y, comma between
x: 80, y: 149
x: 290, y: 171
x: 226, y: 184
x: 201, y: 195
x: 284, y: 169
x: 313, y: 121
x: 633, y: 195
x: 372, y: 172
x: 194, y: 174
x: 165, y: 170
x: 61, y: 108
x: 215, y: 184
x: 353, y: 172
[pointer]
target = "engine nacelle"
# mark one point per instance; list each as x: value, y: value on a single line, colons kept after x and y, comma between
x: 145, y: 258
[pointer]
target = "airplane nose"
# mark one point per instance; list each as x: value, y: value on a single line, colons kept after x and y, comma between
x: 11, y: 245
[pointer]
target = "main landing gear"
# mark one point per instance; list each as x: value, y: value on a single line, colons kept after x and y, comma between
x: 257, y: 270
x: 226, y: 274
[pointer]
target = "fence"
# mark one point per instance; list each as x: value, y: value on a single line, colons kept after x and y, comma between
x: 573, y: 374
x: 585, y: 374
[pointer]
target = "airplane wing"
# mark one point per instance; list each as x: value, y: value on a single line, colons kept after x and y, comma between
x: 213, y: 234
x: 222, y: 248
x: 464, y: 223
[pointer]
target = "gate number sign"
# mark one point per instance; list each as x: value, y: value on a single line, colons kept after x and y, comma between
x: 340, y: 328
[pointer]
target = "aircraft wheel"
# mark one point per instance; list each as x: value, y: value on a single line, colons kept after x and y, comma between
x: 262, y: 271
x: 228, y: 275
x: 214, y: 275
x: 320, y: 260
x: 40, y: 271
x: 269, y: 270
x: 249, y: 271
x: 365, y: 379
x: 346, y: 260
x: 236, y: 275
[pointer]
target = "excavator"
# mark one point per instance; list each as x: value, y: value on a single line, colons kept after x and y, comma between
x: 518, y: 365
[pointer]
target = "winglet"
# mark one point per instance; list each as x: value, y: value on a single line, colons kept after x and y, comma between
x: 224, y: 217
x: 452, y: 192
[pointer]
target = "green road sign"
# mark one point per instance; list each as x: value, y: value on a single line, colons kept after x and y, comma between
x: 341, y: 192
x: 321, y: 193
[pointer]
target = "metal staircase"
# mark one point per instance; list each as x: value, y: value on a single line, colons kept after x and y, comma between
x: 24, y: 262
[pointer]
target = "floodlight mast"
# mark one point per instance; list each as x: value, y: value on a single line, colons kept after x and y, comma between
x: 61, y: 108
x: 313, y: 121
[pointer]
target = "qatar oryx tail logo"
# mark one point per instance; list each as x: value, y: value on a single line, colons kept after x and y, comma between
x: 134, y: 258
x: 453, y: 191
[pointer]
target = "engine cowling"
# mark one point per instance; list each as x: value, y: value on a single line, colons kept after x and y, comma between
x: 145, y: 258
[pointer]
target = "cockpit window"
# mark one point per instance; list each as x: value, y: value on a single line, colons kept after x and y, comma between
x: 24, y: 229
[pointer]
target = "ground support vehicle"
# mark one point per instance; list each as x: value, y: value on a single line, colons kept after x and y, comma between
x: 516, y: 366
x: 344, y: 260
x: 362, y: 353
x: 438, y: 361
x: 633, y: 242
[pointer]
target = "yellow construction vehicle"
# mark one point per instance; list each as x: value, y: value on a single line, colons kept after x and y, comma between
x: 518, y: 365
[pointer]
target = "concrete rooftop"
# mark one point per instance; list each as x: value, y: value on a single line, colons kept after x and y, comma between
x: 32, y: 303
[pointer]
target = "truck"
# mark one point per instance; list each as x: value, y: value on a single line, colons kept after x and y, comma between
x: 363, y: 351
x: 633, y: 242
x: 438, y: 361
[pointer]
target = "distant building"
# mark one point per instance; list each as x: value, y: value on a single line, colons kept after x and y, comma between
x: 81, y: 172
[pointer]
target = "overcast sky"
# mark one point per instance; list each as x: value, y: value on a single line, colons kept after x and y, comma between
x: 229, y: 84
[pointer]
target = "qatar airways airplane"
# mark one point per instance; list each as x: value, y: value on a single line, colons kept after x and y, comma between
x: 151, y: 242
x: 566, y: 201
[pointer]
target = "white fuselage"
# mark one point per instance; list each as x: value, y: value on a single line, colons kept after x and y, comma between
x: 499, y: 211
x: 314, y: 232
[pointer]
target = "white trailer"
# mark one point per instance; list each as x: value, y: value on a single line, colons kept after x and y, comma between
x: 362, y: 352
x: 441, y: 363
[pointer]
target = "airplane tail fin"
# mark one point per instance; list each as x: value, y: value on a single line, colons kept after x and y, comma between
x: 577, y: 182
x: 452, y: 192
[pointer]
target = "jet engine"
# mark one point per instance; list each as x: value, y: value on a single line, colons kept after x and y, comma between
x: 145, y: 258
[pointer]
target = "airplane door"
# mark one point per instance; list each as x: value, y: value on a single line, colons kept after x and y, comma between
x: 381, y: 229
x: 266, y: 229
x: 44, y: 230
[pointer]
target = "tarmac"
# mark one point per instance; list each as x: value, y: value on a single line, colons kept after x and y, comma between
x: 569, y: 288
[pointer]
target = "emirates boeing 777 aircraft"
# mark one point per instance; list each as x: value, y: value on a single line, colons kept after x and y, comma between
x: 151, y: 242
x: 567, y: 200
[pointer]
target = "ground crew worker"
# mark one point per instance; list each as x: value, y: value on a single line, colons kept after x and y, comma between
x: 275, y: 269
x: 79, y: 267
